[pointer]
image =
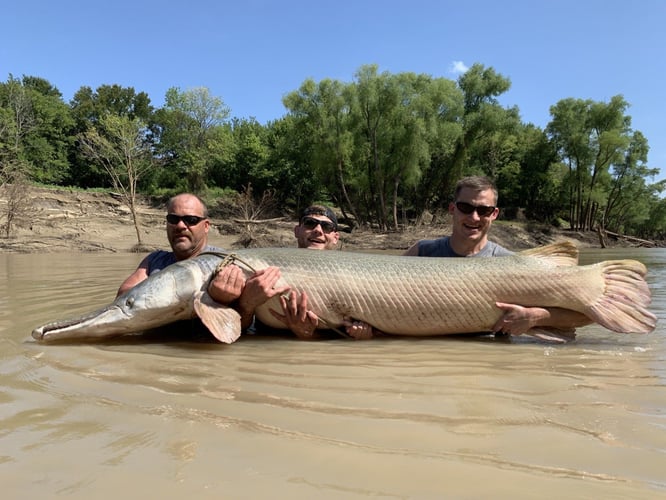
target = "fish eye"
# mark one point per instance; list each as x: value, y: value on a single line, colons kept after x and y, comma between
x: 129, y: 302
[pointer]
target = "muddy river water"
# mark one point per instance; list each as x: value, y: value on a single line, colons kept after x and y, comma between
x: 271, y: 417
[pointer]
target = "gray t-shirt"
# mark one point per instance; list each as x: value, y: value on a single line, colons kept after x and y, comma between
x: 441, y: 247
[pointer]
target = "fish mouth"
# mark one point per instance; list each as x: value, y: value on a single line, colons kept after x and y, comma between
x: 103, y: 323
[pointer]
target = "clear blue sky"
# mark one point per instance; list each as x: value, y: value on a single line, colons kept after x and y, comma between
x: 251, y: 53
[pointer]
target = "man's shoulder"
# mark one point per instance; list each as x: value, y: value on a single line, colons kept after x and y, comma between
x: 439, y: 247
x: 158, y: 260
x: 211, y: 248
x: 493, y: 249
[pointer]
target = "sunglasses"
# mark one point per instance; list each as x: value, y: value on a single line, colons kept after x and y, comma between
x: 467, y: 208
x: 311, y: 223
x: 189, y: 220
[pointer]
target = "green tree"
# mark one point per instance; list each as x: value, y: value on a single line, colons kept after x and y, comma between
x: 297, y: 181
x: 120, y: 145
x: 88, y: 107
x: 187, y: 129
x: 590, y: 137
x: 393, y: 135
x: 441, y: 108
x: 46, y: 146
x: 629, y: 197
x: 322, y: 112
x: 537, y: 186
x: 482, y: 116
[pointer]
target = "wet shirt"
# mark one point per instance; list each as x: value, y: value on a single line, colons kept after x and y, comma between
x: 159, y: 259
x: 441, y: 247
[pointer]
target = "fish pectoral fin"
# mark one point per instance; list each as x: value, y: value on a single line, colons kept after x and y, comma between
x: 222, y: 321
x: 553, y: 335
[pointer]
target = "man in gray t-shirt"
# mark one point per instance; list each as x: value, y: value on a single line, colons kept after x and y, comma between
x: 472, y: 214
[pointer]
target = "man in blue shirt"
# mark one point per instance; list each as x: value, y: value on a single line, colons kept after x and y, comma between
x: 187, y: 231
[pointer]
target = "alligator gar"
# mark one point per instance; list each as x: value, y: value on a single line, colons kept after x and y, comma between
x: 395, y: 294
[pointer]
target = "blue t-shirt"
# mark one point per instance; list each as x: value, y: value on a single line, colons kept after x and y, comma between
x: 441, y: 247
x: 159, y: 259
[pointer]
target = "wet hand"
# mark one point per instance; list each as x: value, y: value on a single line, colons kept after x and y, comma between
x: 358, y: 330
x: 516, y: 319
x: 227, y: 285
x: 260, y: 287
x: 296, y: 316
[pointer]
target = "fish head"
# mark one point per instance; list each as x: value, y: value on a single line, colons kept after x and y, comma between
x: 163, y: 298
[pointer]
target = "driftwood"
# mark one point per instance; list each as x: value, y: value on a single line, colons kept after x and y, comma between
x: 257, y: 221
x: 632, y: 239
x: 602, y: 237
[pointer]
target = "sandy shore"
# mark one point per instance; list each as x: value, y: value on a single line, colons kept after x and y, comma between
x: 65, y: 220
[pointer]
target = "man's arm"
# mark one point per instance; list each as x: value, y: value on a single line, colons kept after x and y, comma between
x: 303, y: 323
x: 259, y: 288
x: 229, y: 287
x: 412, y: 251
x: 517, y: 320
x: 140, y: 274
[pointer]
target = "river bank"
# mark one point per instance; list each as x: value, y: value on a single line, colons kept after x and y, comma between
x: 63, y: 220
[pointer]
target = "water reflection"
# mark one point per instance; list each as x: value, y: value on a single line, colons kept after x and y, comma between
x: 405, y: 418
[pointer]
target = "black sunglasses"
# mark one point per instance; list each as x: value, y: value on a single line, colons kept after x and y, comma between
x: 311, y: 223
x: 467, y: 208
x: 189, y: 220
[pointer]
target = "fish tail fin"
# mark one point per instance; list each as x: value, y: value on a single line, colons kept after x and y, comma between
x: 562, y: 253
x: 623, y: 307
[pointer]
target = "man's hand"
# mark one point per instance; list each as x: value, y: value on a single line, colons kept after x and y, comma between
x: 358, y: 330
x: 260, y: 287
x: 517, y: 320
x: 296, y: 316
x: 227, y: 285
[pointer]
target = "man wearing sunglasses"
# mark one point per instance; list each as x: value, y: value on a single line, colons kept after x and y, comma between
x: 187, y: 228
x: 317, y: 230
x: 472, y: 214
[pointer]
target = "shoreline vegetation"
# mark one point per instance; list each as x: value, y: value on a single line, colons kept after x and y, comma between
x: 67, y: 220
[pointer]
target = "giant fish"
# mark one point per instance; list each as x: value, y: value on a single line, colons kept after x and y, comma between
x: 395, y: 294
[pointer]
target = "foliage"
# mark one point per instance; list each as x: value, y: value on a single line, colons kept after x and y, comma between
x: 119, y: 144
x: 384, y: 148
x: 188, y: 136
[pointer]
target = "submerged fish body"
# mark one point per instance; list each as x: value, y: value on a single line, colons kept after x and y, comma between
x: 398, y: 295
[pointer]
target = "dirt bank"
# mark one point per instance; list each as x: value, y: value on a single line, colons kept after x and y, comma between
x: 61, y: 220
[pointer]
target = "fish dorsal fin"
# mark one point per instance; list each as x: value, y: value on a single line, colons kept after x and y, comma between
x: 562, y: 253
x: 222, y: 321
